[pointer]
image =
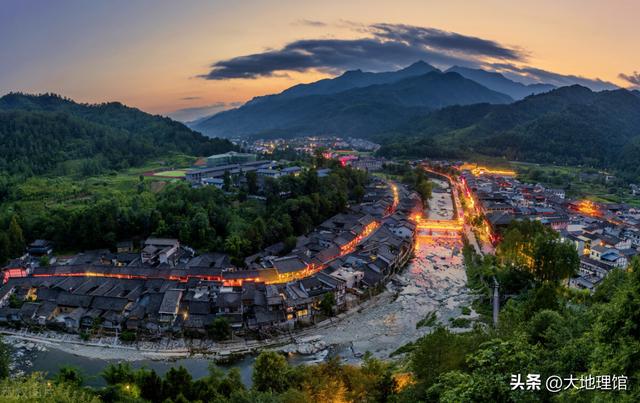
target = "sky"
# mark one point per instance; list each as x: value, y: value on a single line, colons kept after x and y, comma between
x: 191, y: 58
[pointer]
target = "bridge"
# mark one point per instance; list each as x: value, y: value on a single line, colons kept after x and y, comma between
x: 439, y: 225
x: 442, y: 227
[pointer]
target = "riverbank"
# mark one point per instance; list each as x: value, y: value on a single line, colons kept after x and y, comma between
x: 434, y: 281
x: 112, y: 349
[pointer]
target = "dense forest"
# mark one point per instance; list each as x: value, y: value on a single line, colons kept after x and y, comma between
x: 544, y: 328
x: 567, y: 126
x: 48, y: 134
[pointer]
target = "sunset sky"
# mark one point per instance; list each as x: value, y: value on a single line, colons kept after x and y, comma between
x: 163, y: 56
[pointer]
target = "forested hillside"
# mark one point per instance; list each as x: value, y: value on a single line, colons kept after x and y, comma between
x: 48, y: 134
x: 570, y: 125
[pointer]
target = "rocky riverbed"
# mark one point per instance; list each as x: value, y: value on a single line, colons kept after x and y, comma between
x: 434, y: 283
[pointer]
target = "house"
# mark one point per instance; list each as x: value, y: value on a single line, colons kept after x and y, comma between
x: 597, y: 251
x: 124, y: 247
x: 159, y: 250
x: 28, y: 312
x: 298, y: 304
x: 405, y: 229
x: 218, y: 183
x: 169, y: 306
x: 40, y: 247
x: 47, y: 311
x: 289, y: 267
x: 293, y: 171
x: 614, y: 258
x: 268, y: 173
x: 71, y: 319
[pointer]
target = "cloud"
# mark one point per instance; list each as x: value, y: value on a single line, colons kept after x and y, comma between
x: 311, y: 23
x: 197, y: 112
x: 387, y: 46
x: 529, y: 75
x: 633, y: 78
x: 445, y: 41
x: 189, y: 98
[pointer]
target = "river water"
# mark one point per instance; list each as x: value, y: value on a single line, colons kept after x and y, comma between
x: 50, y: 361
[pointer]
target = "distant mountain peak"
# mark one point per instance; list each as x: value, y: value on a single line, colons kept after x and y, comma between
x: 351, y: 72
x: 418, y: 67
x: 498, y: 82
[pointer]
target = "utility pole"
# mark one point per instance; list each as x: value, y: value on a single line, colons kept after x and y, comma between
x: 496, y: 302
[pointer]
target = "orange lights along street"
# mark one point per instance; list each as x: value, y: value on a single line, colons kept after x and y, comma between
x: 587, y: 207
x: 478, y: 170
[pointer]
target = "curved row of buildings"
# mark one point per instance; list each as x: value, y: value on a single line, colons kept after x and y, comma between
x: 166, y: 287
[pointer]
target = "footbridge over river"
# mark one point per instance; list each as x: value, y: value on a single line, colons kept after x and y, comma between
x: 439, y: 226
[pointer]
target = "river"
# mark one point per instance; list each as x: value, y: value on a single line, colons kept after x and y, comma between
x: 50, y: 360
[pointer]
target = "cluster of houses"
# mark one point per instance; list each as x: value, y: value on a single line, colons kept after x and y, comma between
x: 308, y: 145
x: 606, y: 235
x: 213, y: 175
x: 163, y: 286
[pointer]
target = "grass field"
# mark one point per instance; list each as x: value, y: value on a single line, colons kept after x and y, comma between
x: 69, y: 191
x: 595, y: 188
x: 176, y: 173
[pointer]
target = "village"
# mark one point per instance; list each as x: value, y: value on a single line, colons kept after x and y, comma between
x: 606, y: 235
x: 161, y: 287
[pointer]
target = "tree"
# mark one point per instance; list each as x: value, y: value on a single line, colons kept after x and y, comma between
x: 531, y: 246
x: 423, y: 188
x: 128, y: 336
x: 232, y: 383
x: 43, y: 261
x: 439, y: 352
x: 236, y: 245
x: 252, y: 182
x: 177, y: 382
x: 16, y: 238
x: 34, y: 388
x: 4, y: 248
x: 5, y: 359
x: 70, y: 375
x: 327, y: 303
x: 150, y: 385
x: 270, y: 372
x: 289, y: 244
x: 121, y: 372
x: 358, y: 193
x: 554, y: 260
x: 219, y: 329
x: 226, y: 181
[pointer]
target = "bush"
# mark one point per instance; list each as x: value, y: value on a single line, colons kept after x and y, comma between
x: 128, y: 336
x: 429, y: 321
x: 460, y: 322
x: 219, y: 329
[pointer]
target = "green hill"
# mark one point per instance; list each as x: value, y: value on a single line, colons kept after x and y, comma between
x: 568, y: 126
x: 50, y: 134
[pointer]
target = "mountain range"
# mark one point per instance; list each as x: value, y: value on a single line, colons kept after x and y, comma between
x: 500, y: 83
x: 356, y: 103
x: 363, y: 104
